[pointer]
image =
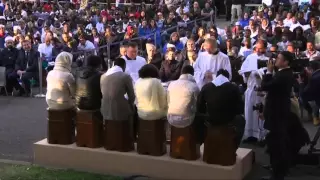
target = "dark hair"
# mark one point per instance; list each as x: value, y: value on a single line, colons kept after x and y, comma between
x: 82, y: 36
x: 187, y: 70
x: 93, y: 61
x: 288, y: 56
x: 149, y: 71
x: 132, y: 44
x: 223, y: 72
x: 120, y: 62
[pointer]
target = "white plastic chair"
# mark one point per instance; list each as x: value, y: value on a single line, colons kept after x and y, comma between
x: 3, y: 79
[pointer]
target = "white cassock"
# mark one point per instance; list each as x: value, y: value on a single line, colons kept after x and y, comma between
x: 212, y: 63
x: 254, y: 125
x: 133, y: 67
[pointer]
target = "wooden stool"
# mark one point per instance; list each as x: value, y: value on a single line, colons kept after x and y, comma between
x: 61, y: 129
x: 151, y: 137
x: 117, y: 136
x: 89, y: 128
x: 220, y: 146
x: 184, y: 144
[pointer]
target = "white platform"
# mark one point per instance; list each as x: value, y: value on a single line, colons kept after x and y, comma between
x: 110, y: 162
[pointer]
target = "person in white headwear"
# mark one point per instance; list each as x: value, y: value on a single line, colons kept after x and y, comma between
x: 61, y: 84
x: 209, y: 62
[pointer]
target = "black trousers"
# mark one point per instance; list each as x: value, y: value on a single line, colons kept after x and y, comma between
x: 277, y: 143
x: 26, y: 77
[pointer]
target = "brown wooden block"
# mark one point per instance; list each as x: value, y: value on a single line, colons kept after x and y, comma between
x: 61, y: 126
x: 117, y: 136
x: 220, y: 146
x: 184, y: 144
x: 151, y: 137
x: 89, y: 124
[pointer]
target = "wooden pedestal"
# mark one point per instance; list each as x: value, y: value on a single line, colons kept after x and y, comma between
x: 89, y: 128
x: 151, y: 137
x: 117, y: 136
x: 61, y: 129
x: 220, y: 146
x: 183, y: 143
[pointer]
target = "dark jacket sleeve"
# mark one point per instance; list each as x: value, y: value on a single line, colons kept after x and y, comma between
x: 238, y: 101
x: 201, y: 102
x: 18, y: 62
x: 162, y: 72
x: 269, y: 82
x: 309, y: 91
x: 34, y: 65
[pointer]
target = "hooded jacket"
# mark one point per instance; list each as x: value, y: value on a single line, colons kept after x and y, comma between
x: 88, y: 93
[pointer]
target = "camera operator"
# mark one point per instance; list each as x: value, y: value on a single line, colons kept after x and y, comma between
x: 277, y: 112
x: 310, y: 92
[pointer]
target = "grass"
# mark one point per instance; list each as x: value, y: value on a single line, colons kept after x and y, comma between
x: 21, y: 172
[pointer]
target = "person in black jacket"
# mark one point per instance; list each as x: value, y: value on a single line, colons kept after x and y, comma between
x: 170, y: 68
x: 88, y: 93
x: 310, y: 92
x: 8, y: 59
x: 152, y: 56
x: 277, y: 113
x: 26, y: 68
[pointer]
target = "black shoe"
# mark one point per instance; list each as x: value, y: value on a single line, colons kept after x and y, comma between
x: 250, y: 140
x: 271, y: 178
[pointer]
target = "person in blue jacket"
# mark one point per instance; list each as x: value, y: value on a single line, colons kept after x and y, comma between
x: 144, y: 30
x: 174, y: 39
x: 155, y: 30
x: 244, y: 20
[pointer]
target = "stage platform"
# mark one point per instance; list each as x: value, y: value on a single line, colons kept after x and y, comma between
x: 131, y: 163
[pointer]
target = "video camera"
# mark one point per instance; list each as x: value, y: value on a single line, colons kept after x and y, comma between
x: 298, y: 66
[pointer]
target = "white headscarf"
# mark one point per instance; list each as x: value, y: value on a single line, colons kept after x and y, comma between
x: 63, y: 62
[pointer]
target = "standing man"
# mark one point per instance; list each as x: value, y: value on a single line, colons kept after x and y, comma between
x: 133, y: 61
x: 277, y: 111
x: 8, y: 59
x: 236, y: 10
x: 209, y: 62
x: 26, y: 68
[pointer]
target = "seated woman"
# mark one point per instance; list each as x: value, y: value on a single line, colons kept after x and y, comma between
x: 152, y: 108
x: 88, y: 93
x: 61, y: 83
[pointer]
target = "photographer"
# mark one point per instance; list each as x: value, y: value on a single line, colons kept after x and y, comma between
x: 310, y: 92
x: 277, y: 112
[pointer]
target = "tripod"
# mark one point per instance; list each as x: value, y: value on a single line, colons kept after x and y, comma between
x: 313, y: 143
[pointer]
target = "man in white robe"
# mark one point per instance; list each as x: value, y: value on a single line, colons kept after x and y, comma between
x: 133, y: 62
x: 252, y: 76
x: 209, y: 63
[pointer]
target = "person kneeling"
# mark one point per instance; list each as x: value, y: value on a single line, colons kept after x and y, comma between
x: 152, y: 108
x: 182, y: 99
x: 222, y: 102
x: 61, y: 84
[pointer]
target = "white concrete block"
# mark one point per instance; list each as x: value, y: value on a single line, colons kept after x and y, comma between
x: 131, y: 163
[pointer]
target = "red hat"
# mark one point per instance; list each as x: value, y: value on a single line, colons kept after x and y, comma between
x: 104, y: 13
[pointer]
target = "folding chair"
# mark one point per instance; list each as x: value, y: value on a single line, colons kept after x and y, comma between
x: 3, y: 79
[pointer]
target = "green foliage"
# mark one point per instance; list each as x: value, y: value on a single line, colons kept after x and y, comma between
x: 19, y: 172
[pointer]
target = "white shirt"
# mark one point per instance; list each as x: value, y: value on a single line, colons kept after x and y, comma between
x: 100, y: 27
x: 293, y: 26
x: 185, y: 10
x: 242, y: 50
x: 212, y: 63
x: 287, y: 22
x: 87, y: 46
x: 46, y: 50
x: 133, y: 67
x: 311, y: 55
x: 182, y: 97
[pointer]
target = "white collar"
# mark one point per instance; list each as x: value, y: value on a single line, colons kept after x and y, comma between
x: 113, y: 70
x: 220, y: 80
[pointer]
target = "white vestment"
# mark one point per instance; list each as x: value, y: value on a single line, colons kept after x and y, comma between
x: 133, y: 67
x: 212, y: 63
x: 254, y: 126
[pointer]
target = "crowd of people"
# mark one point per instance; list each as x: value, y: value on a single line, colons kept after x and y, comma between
x: 199, y: 69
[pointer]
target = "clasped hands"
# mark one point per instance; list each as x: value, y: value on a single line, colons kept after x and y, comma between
x: 208, y: 76
x: 20, y: 73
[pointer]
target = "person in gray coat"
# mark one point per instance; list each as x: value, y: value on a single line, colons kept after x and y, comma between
x: 117, y: 93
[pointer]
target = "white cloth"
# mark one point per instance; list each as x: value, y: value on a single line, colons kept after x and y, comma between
x: 242, y: 50
x: 46, y: 50
x: 251, y: 63
x: 267, y: 2
x: 293, y: 26
x: 254, y: 125
x: 219, y: 80
x: 151, y: 99
x: 113, y: 70
x: 182, y: 98
x: 287, y: 22
x: 87, y: 46
x: 311, y: 55
x: 133, y: 67
x: 212, y: 63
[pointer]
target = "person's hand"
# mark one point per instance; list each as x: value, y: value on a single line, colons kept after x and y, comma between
x: 208, y: 76
x: 270, y: 65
